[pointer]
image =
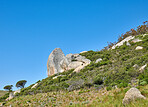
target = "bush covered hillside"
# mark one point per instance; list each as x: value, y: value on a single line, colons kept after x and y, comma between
x: 119, y: 67
x: 103, y: 82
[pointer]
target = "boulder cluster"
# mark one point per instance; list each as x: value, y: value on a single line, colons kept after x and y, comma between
x: 58, y: 62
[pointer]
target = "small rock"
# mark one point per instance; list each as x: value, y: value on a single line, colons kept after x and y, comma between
x: 131, y: 95
x: 136, y: 66
x: 98, y: 60
x: 83, y: 52
x: 136, y: 40
x: 144, y: 35
x: 139, y: 48
x: 128, y: 44
x: 142, y: 68
x: 34, y: 86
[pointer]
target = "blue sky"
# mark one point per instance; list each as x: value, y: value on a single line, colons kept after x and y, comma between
x: 31, y: 29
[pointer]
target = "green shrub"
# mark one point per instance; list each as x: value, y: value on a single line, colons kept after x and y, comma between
x: 98, y: 80
x: 108, y: 88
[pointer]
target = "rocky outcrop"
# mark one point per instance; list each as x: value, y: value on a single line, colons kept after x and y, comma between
x: 58, y: 62
x: 131, y: 95
x: 74, y: 65
x: 139, y: 48
x: 123, y: 41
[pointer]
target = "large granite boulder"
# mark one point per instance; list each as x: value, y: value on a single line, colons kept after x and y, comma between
x: 57, y: 62
x: 131, y: 95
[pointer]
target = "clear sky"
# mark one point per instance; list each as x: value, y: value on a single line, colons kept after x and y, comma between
x: 31, y: 29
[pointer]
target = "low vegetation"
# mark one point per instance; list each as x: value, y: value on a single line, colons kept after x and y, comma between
x: 80, y: 98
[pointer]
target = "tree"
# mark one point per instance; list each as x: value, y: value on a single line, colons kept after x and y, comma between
x: 21, y: 83
x: 8, y: 87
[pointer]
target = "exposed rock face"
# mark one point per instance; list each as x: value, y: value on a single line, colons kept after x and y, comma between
x: 57, y: 62
x: 131, y: 95
x: 139, y: 48
x: 123, y: 41
x: 98, y: 60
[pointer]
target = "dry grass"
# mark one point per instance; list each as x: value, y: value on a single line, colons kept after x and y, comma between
x: 2, y: 92
x: 80, y: 98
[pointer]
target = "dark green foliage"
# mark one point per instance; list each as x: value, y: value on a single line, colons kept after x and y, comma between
x: 143, y: 78
x: 8, y: 87
x: 21, y: 83
x: 98, y: 80
x: 108, y: 88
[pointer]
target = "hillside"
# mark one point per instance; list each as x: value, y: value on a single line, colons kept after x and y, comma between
x: 2, y: 93
x: 104, y: 82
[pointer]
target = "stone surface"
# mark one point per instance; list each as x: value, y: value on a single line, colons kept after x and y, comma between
x: 131, y: 95
x: 34, y: 86
x: 17, y: 91
x: 74, y: 65
x: 78, y: 69
x: 142, y: 68
x: 82, y: 59
x: 145, y: 35
x: 136, y: 40
x: 57, y: 62
x: 128, y: 44
x: 136, y: 66
x: 11, y: 96
x: 139, y: 48
x: 83, y: 52
x: 98, y: 60
x: 123, y: 41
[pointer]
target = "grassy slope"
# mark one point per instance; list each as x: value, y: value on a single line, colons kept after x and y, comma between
x: 2, y: 93
x: 80, y: 98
